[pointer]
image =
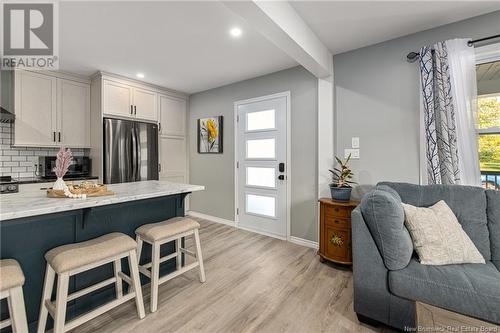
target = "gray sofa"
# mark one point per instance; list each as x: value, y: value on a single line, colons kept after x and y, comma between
x: 388, y: 277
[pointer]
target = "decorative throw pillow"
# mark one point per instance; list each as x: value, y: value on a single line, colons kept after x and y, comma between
x: 438, y: 237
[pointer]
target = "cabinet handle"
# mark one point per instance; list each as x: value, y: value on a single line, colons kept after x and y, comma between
x: 135, y: 110
x: 159, y: 127
x: 54, y: 136
x: 59, y: 136
x: 131, y: 109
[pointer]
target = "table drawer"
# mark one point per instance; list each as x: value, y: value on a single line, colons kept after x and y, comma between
x: 337, y: 222
x: 338, y: 211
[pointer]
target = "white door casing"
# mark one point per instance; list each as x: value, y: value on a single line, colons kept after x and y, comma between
x: 262, y: 132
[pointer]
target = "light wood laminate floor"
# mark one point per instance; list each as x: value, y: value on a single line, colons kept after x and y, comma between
x: 254, y: 284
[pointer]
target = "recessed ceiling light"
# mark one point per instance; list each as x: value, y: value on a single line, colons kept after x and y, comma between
x: 140, y: 75
x: 235, y: 32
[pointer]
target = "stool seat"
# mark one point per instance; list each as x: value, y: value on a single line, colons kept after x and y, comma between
x: 157, y: 231
x: 11, y: 274
x: 72, y: 256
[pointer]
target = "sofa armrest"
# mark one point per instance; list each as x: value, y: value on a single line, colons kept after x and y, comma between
x: 371, y: 294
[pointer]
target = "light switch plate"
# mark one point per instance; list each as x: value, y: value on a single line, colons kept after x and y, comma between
x: 354, y: 153
x: 355, y: 142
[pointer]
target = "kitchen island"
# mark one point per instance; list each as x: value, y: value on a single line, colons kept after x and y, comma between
x: 31, y: 224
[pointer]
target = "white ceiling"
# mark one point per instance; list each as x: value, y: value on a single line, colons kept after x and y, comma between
x: 184, y: 46
x: 347, y: 25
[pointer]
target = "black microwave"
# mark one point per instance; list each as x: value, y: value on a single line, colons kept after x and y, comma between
x: 80, y: 167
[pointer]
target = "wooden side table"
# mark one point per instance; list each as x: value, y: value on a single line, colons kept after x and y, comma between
x: 335, y: 231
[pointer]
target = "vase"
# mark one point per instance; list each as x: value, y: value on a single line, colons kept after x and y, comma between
x: 59, y: 184
x: 341, y: 193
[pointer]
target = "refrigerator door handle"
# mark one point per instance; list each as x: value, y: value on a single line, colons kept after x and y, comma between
x: 138, y: 153
x: 134, y: 154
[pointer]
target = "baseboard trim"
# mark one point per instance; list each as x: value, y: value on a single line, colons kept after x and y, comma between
x: 304, y: 242
x: 211, y: 218
x: 293, y: 239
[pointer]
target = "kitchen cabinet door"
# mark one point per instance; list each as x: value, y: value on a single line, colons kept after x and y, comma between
x: 117, y: 99
x: 172, y: 116
x: 73, y: 113
x: 35, y: 104
x: 145, y: 104
x: 173, y: 159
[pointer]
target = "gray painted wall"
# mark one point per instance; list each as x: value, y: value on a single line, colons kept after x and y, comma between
x: 216, y: 172
x: 377, y: 99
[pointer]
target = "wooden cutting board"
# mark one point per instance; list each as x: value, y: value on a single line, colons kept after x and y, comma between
x: 92, y: 192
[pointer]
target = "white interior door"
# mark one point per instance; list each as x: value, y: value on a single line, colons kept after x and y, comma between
x: 262, y: 157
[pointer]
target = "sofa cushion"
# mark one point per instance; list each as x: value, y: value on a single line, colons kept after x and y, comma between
x: 468, y: 203
x: 470, y: 289
x: 384, y: 216
x: 493, y: 212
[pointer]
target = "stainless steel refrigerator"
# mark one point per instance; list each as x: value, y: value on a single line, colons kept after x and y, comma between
x: 130, y: 151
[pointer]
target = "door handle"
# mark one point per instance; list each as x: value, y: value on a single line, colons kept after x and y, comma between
x: 59, y: 136
x: 281, y: 167
x: 54, y: 136
x: 131, y: 109
x: 135, y: 110
x: 281, y: 177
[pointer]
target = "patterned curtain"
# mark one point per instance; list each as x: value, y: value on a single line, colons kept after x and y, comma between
x: 439, y: 116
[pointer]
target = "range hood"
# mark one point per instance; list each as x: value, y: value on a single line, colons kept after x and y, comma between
x: 6, y: 116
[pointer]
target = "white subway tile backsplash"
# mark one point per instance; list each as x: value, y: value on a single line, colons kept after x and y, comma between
x: 10, y: 152
x: 20, y: 161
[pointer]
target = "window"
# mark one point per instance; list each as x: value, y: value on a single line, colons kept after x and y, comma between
x: 488, y: 84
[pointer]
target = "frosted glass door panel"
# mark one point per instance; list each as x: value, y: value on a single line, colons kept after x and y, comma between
x: 261, y: 205
x: 261, y: 148
x: 261, y: 120
x: 262, y: 177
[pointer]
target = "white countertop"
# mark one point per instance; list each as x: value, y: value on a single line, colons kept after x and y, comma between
x: 32, y: 202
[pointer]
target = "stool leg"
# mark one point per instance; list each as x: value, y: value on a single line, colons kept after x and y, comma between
x: 134, y: 275
x: 117, y: 265
x: 18, y: 311
x: 139, y: 248
x: 46, y: 295
x: 199, y: 256
x: 61, y: 302
x: 155, y: 276
x: 179, y: 254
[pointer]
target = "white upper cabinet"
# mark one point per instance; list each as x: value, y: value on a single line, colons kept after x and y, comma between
x: 117, y: 99
x: 35, y: 105
x: 50, y: 111
x: 74, y: 113
x: 172, y: 115
x: 145, y: 104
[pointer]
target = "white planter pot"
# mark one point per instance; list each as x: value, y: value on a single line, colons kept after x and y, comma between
x: 59, y: 184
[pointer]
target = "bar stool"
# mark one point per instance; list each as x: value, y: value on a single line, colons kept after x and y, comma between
x: 11, y: 288
x: 160, y: 233
x: 71, y: 259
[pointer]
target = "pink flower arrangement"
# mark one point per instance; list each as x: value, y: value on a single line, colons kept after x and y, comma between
x: 63, y: 161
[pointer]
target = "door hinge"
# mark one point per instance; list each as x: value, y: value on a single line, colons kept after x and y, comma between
x: 159, y: 167
x: 237, y: 118
x: 237, y: 211
x: 237, y: 165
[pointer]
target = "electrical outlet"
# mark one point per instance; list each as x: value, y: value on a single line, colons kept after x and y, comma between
x: 355, y: 142
x: 354, y: 153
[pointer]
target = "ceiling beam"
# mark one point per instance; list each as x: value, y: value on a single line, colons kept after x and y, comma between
x: 279, y: 22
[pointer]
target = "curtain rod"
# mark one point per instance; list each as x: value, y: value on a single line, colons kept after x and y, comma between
x: 413, y: 56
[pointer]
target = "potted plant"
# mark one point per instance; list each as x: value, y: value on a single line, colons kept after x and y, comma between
x: 341, y: 180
